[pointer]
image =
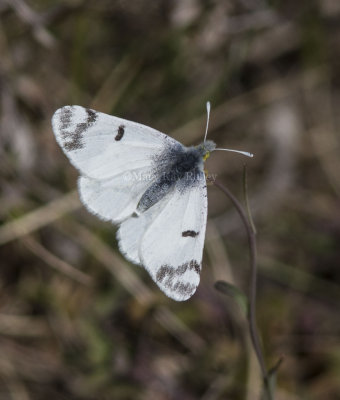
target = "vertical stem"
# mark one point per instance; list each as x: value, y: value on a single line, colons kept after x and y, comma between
x: 252, y: 290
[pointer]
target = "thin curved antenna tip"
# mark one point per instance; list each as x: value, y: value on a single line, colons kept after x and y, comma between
x: 245, y: 153
x: 208, y: 117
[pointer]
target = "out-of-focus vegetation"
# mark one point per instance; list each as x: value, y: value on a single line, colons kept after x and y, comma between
x: 76, y: 320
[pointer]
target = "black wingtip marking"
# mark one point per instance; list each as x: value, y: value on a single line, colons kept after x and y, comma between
x: 91, y: 116
x: 65, y: 118
x: 120, y: 133
x: 166, y: 275
x: 73, y: 140
x: 190, y: 234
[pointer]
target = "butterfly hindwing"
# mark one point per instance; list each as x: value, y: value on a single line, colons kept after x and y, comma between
x: 113, y: 199
x: 131, y: 231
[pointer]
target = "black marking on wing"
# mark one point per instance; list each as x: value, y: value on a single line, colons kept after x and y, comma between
x: 65, y: 118
x: 91, y: 116
x: 73, y: 140
x: 190, y: 234
x: 120, y: 133
x: 166, y: 275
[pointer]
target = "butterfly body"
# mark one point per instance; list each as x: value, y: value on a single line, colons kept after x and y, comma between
x: 149, y: 184
x: 176, y: 164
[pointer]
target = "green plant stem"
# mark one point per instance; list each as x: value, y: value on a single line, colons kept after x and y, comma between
x: 252, y: 290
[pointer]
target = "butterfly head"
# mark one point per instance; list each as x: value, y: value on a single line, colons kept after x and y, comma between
x: 206, y: 148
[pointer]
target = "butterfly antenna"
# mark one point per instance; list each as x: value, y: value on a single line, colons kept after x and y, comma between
x: 245, y: 153
x: 208, y: 117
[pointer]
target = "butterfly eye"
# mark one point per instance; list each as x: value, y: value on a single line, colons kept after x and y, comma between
x: 206, y: 155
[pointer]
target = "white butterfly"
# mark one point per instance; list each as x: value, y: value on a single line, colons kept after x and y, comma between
x: 149, y: 184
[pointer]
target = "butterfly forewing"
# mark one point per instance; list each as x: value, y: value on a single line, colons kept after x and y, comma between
x: 172, y: 245
x: 101, y: 146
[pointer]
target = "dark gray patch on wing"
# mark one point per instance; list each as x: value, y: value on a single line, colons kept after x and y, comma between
x: 175, y: 166
x: 65, y: 118
x: 73, y: 140
x: 91, y: 116
x: 170, y: 277
x: 120, y: 133
x: 190, y: 234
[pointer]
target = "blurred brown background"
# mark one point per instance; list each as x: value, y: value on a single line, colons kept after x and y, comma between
x: 76, y: 320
